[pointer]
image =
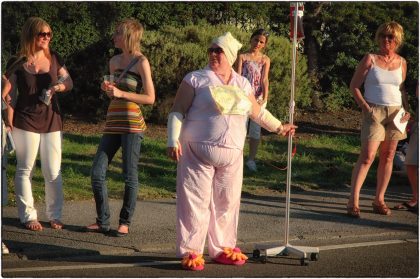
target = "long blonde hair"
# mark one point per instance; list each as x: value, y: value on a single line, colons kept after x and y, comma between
x: 132, y: 31
x: 29, y: 35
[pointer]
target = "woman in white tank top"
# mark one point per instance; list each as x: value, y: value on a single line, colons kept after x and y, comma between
x: 383, y: 74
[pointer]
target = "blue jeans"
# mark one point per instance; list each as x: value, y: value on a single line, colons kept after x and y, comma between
x: 109, y: 145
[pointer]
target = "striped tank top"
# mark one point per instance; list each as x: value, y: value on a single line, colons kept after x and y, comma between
x: 123, y: 116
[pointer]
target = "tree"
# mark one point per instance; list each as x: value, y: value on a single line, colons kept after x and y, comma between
x: 337, y: 35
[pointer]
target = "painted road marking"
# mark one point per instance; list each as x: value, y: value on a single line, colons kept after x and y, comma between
x: 162, y: 263
x: 365, y: 244
x: 89, y: 266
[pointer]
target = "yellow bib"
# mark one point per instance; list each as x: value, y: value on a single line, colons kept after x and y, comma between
x: 230, y: 100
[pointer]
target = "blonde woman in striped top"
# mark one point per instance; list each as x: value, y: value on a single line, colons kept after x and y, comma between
x: 124, y: 124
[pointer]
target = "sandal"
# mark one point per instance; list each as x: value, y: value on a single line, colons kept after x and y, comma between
x: 33, y: 225
x: 353, y: 211
x: 193, y: 262
x: 406, y: 206
x: 56, y: 224
x: 382, y: 209
x: 231, y: 256
x: 95, y: 228
x: 122, y: 231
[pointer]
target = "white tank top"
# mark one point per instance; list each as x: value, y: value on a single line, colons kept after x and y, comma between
x: 382, y: 87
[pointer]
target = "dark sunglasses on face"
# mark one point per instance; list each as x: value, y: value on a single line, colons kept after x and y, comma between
x: 216, y: 50
x: 387, y: 36
x: 44, y: 34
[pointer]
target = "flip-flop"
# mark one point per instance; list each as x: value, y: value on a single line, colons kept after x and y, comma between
x: 406, y: 206
x: 95, y: 228
x: 33, y: 225
x: 56, y: 224
x: 118, y: 233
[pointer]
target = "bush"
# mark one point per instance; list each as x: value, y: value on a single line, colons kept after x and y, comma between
x: 172, y: 50
x: 279, y: 50
x: 171, y: 60
x: 340, y: 97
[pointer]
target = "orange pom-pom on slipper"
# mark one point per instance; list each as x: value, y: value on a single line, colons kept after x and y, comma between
x: 192, y: 261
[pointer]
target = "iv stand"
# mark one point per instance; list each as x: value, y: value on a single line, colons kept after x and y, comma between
x: 266, y: 250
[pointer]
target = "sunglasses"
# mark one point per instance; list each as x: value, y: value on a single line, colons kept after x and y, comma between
x: 217, y: 50
x: 118, y: 32
x: 387, y: 36
x: 45, y: 34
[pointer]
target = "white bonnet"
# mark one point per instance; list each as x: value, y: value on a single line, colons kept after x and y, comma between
x: 229, y: 45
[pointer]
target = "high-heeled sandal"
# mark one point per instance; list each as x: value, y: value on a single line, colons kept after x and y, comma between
x: 382, y: 209
x: 353, y: 211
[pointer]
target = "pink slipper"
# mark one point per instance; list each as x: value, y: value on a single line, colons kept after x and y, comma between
x: 231, y: 256
x: 193, y: 262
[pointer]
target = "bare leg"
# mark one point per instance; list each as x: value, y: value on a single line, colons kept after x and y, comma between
x: 386, y: 159
x: 360, y: 170
x: 253, y: 148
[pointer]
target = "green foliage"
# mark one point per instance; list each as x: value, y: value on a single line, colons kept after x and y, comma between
x: 279, y: 50
x: 171, y: 61
x: 346, y: 30
x: 339, y: 97
x: 342, y: 31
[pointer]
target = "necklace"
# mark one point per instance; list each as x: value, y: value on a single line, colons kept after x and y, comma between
x: 31, y: 62
x: 34, y: 60
x: 387, y: 61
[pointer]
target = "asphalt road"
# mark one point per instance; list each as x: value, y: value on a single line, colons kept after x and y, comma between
x: 375, y: 245
x: 367, y: 260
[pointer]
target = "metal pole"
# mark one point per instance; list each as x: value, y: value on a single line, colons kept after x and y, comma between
x: 265, y: 250
x: 291, y: 112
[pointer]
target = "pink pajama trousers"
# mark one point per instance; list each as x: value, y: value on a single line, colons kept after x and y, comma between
x: 209, y: 182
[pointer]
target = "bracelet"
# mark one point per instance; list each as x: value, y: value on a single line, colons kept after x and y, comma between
x: 279, y: 129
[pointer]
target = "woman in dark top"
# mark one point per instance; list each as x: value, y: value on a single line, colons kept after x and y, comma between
x: 35, y: 121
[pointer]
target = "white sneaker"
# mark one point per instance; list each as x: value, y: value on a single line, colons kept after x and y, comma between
x: 4, y: 249
x: 251, y: 165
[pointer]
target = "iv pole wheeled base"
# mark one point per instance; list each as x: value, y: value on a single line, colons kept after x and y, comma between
x: 306, y: 254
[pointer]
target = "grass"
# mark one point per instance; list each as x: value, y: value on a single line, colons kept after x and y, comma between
x: 322, y: 161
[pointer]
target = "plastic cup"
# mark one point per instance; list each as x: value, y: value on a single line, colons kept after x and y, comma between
x: 108, y: 79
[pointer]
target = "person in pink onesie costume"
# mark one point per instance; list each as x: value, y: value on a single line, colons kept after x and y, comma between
x: 206, y: 136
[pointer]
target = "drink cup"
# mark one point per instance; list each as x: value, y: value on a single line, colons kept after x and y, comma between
x: 108, y: 80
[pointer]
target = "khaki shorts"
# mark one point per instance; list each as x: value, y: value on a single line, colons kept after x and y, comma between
x: 412, y: 156
x: 378, y: 125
